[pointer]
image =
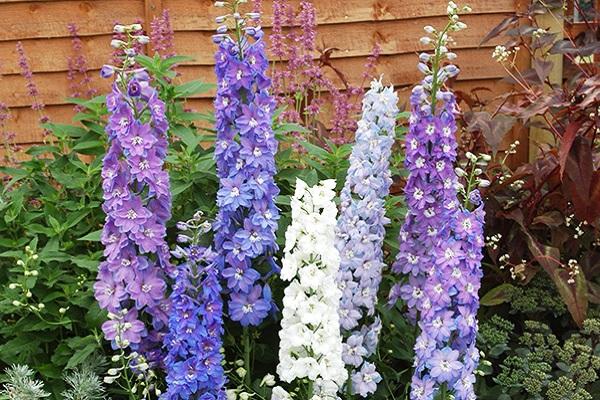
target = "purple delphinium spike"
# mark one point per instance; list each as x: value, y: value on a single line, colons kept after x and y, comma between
x: 193, y: 362
x: 137, y: 203
x: 441, y: 240
x: 244, y: 152
x: 361, y: 231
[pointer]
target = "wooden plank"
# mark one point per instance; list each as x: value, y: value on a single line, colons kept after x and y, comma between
x: 27, y: 20
x: 199, y: 15
x: 352, y: 41
x: 400, y: 69
x: 25, y: 120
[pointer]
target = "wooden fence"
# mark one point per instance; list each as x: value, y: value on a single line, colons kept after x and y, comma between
x: 352, y: 26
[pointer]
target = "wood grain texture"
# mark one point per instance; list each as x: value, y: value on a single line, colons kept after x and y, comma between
x: 25, y: 121
x: 352, y: 26
x: 399, y: 69
x: 45, y: 19
x: 51, y: 55
x: 27, y: 20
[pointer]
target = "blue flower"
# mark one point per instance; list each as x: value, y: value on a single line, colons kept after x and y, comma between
x: 249, y: 309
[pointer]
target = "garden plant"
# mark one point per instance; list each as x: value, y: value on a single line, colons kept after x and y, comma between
x: 304, y: 240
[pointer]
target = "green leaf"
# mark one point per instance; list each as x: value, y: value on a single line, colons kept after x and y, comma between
x: 498, y: 295
x: 86, y: 263
x: 188, y: 136
x: 191, y: 88
x: 81, y: 355
x: 92, y: 236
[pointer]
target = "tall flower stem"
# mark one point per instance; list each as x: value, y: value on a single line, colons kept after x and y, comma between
x: 247, y: 356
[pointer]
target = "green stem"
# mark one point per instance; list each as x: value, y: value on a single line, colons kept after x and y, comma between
x: 349, y: 386
x: 309, y: 389
x: 435, y: 68
x: 247, y: 350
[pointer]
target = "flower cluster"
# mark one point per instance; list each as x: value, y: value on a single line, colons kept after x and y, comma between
x: 360, y: 232
x: 80, y: 81
x: 442, y: 238
x: 137, y: 203
x: 32, y: 89
x: 161, y: 35
x: 294, y: 39
x: 311, y: 343
x: 196, y: 321
x: 244, y: 152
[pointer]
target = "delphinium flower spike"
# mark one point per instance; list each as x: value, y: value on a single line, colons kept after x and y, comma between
x: 194, y: 343
x: 137, y: 203
x: 244, y: 152
x: 361, y: 231
x: 441, y: 240
x: 311, y: 343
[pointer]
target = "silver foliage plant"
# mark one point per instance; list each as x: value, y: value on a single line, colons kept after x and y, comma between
x: 20, y: 384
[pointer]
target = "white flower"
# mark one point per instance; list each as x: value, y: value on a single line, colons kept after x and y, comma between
x: 279, y: 393
x: 311, y: 344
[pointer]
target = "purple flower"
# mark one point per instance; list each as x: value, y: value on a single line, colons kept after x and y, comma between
x: 137, y: 204
x: 245, y: 157
x: 240, y: 278
x: 444, y: 364
x: 109, y: 292
x: 440, y: 248
x: 107, y: 71
x: 147, y: 288
x: 365, y: 381
x: 361, y: 231
x: 134, y: 88
x: 131, y: 216
x: 125, y: 327
x: 249, y: 309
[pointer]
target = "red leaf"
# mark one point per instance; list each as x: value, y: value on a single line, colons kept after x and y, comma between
x: 566, y: 143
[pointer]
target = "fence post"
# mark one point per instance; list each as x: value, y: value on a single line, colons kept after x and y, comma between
x: 552, y: 21
x: 152, y: 8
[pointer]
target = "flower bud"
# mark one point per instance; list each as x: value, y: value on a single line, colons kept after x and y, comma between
x: 119, y: 29
x: 425, y: 40
x: 268, y: 380
x: 117, y: 44
x: 107, y: 71
x: 143, y: 39
x: 429, y: 29
x: 241, y: 372
x: 135, y: 27
x: 219, y: 4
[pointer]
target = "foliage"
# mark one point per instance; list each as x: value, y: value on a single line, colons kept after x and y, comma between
x: 21, y: 385
x: 536, y: 364
x: 544, y: 215
x: 50, y: 220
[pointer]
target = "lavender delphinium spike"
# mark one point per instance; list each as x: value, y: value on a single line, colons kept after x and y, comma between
x: 137, y: 203
x: 193, y: 362
x: 245, y: 156
x: 361, y: 231
x: 442, y: 237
